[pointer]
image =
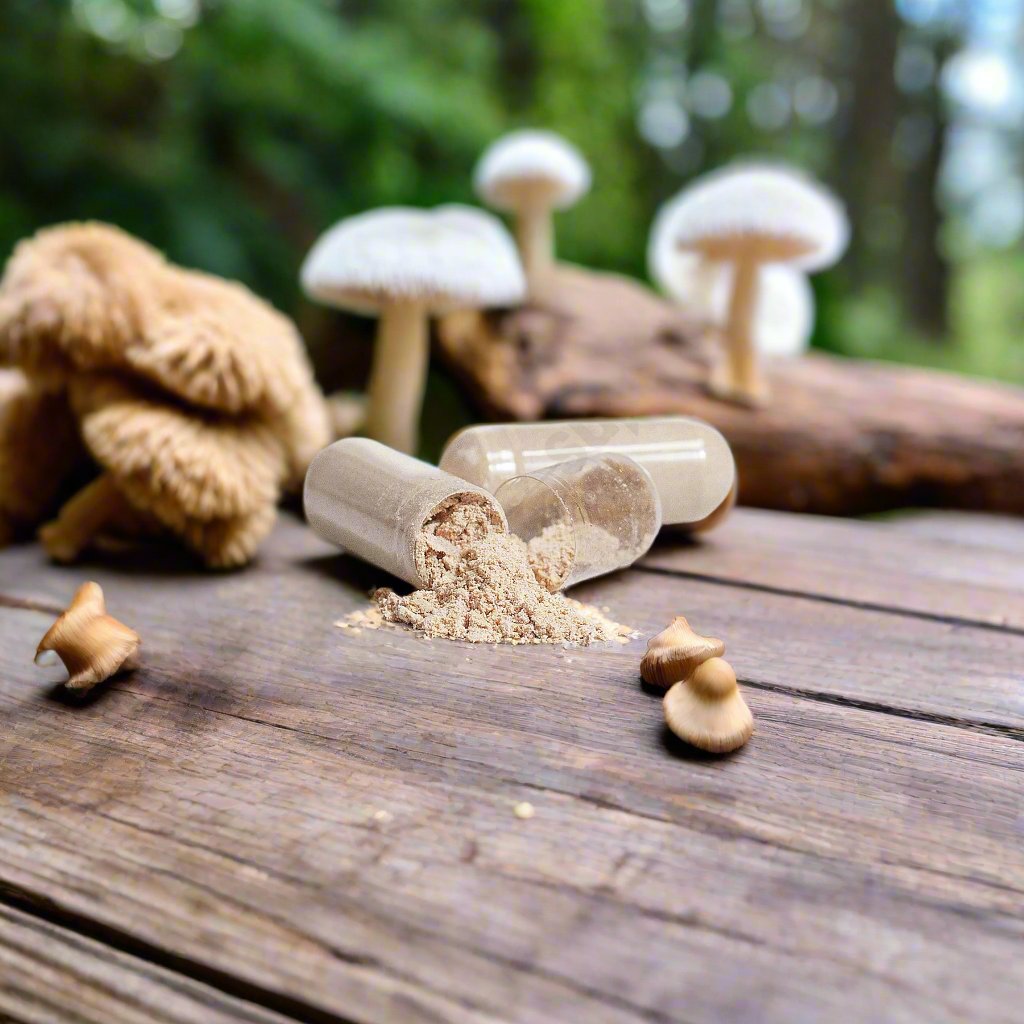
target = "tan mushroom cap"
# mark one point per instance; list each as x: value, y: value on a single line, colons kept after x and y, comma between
x: 90, y: 297
x: 676, y: 652
x: 171, y: 461
x: 228, y: 543
x: 70, y: 296
x: 39, y: 446
x: 708, y: 711
x: 92, y: 644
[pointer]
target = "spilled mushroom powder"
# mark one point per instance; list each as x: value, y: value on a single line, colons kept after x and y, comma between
x: 488, y: 586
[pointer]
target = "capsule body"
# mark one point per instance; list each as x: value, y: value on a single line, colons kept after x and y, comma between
x: 373, y: 501
x: 689, y: 461
x: 584, y: 517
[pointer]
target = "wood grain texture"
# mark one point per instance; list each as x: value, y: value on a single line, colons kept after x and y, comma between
x: 838, y: 437
x: 964, y: 529
x: 50, y: 975
x: 221, y: 805
x: 973, y: 576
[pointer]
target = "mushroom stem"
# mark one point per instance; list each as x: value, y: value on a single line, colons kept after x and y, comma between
x: 741, y: 381
x: 535, y: 237
x: 398, y: 377
x: 81, y: 519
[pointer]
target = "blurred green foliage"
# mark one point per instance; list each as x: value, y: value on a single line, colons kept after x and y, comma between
x: 231, y: 132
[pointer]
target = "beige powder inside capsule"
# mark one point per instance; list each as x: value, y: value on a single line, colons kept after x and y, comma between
x: 488, y: 586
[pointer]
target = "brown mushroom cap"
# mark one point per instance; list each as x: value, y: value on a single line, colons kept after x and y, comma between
x: 229, y: 543
x: 173, y: 462
x: 708, y: 711
x: 676, y: 652
x: 90, y: 297
x: 70, y: 296
x: 215, y: 344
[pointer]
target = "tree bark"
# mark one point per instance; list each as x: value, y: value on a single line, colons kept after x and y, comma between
x: 837, y: 437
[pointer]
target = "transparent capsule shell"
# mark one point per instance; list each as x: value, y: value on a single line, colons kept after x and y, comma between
x: 689, y: 461
x: 583, y: 518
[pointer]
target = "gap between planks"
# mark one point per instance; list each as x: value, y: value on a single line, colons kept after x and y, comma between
x: 820, y: 697
x: 846, y: 602
x: 43, y: 908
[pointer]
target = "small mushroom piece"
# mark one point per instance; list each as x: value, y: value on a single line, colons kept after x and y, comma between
x: 92, y: 644
x: 531, y: 173
x: 747, y: 217
x: 675, y: 653
x: 405, y: 265
x: 708, y: 711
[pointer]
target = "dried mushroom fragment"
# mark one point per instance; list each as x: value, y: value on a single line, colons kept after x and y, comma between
x: 708, y: 711
x: 92, y: 644
x: 675, y: 653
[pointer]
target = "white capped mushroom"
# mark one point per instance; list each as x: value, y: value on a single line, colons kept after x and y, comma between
x: 406, y: 265
x: 530, y: 173
x: 783, y: 317
x: 746, y: 218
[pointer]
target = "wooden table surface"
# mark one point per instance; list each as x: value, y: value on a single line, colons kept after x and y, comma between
x: 276, y: 819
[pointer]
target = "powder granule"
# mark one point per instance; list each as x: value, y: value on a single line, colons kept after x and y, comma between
x: 551, y: 555
x: 482, y: 588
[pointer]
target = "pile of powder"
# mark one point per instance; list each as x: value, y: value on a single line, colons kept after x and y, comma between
x: 480, y: 585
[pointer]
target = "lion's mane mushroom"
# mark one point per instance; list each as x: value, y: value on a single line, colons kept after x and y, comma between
x: 675, y: 653
x: 784, y: 314
x: 708, y: 711
x: 212, y: 480
x: 92, y: 644
x: 530, y: 173
x: 213, y: 394
x: 749, y: 216
x: 91, y: 297
x: 406, y: 265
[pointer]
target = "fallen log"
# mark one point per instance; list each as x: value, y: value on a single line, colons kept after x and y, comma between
x: 838, y: 436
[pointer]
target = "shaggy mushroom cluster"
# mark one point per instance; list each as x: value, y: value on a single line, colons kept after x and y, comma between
x: 193, y: 397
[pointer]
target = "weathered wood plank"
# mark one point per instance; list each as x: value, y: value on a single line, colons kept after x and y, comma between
x: 969, y: 529
x: 942, y: 669
x: 221, y: 803
x: 50, y: 975
x: 870, y: 563
x: 259, y: 857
